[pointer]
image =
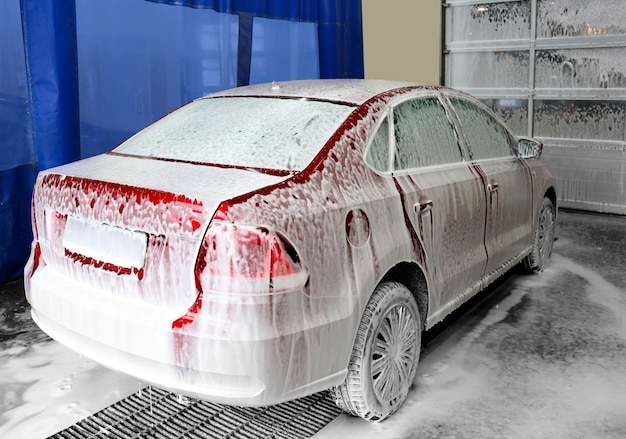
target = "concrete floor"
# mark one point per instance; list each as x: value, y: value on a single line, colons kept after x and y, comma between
x: 542, y: 356
x: 538, y: 356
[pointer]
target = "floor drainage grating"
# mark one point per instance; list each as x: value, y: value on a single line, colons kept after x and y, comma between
x: 156, y: 414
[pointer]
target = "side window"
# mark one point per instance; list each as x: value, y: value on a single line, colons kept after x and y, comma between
x: 424, y: 135
x: 486, y: 136
x: 378, y: 155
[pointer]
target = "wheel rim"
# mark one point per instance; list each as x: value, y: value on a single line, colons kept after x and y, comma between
x: 546, y: 233
x: 393, y: 354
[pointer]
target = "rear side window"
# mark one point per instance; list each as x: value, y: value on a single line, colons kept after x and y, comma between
x: 424, y: 135
x: 378, y: 155
x: 487, y: 137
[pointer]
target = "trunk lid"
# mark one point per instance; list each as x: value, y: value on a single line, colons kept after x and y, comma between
x: 133, y: 226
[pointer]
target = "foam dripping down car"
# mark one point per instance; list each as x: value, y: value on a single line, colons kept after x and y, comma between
x: 268, y: 242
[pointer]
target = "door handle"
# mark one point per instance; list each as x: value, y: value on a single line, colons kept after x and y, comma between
x: 423, y: 206
x: 493, y: 187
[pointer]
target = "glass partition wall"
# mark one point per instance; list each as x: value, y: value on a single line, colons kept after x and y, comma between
x: 554, y: 70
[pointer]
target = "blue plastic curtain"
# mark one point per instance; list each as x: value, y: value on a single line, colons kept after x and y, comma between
x: 339, y: 24
x: 49, y: 28
x: 16, y: 146
x: 77, y: 78
x: 294, y: 10
x: 39, y: 121
x: 131, y: 72
x: 16, y: 142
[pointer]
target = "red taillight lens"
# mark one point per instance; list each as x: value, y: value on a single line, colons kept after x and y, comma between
x: 243, y: 259
x: 53, y: 229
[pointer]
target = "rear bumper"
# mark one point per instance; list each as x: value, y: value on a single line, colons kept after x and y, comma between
x: 253, y: 354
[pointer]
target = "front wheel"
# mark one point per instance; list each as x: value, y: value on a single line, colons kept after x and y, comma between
x: 385, y: 355
x: 543, y: 238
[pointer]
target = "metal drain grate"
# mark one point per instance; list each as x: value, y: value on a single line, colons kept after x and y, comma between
x: 157, y: 414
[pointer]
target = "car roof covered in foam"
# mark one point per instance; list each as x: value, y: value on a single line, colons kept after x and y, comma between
x: 354, y: 91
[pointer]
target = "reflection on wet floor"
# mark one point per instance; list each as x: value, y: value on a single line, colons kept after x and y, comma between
x: 540, y: 356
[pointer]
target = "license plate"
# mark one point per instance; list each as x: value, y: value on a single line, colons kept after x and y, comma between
x: 106, y: 243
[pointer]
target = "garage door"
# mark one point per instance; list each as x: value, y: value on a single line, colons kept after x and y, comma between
x: 555, y: 70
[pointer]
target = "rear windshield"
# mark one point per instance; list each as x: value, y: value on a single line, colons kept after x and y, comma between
x: 252, y: 132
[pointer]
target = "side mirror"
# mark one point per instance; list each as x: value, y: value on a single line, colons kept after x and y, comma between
x: 529, y: 148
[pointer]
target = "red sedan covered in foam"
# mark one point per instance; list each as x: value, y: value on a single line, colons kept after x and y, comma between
x: 268, y: 242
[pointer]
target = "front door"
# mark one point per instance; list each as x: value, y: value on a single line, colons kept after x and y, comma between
x: 507, y: 183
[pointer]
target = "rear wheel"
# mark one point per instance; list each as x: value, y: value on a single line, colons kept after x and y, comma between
x: 543, y: 239
x: 385, y: 355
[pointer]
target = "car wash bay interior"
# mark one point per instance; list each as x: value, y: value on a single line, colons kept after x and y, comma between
x: 536, y: 356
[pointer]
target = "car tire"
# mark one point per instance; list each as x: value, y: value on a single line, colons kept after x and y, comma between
x: 384, y: 358
x: 543, y: 238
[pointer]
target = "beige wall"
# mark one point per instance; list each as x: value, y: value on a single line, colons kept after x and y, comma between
x: 402, y: 39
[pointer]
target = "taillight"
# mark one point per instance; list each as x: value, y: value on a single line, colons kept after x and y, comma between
x: 35, y: 260
x: 54, y: 227
x: 244, y: 259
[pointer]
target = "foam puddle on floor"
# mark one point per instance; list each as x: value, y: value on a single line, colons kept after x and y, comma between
x: 46, y: 388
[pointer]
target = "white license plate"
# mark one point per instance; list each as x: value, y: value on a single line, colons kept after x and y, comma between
x: 105, y: 243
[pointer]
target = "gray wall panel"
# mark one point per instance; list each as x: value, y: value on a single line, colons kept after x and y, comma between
x: 555, y: 70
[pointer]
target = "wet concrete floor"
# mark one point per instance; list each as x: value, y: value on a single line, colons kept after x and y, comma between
x: 538, y: 356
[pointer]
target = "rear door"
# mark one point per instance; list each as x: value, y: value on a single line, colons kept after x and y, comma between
x: 506, y: 179
x: 443, y: 197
